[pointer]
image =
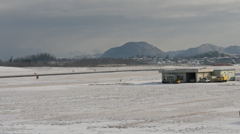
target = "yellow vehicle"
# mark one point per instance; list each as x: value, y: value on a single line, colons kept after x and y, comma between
x: 221, y: 79
x: 177, y: 81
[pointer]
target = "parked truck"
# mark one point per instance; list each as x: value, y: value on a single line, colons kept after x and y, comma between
x: 221, y: 79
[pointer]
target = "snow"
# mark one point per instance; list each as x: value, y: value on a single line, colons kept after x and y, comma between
x: 101, y: 103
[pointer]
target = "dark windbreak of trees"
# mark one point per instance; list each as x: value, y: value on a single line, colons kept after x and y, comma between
x: 45, y: 59
x: 106, y: 61
x: 42, y: 57
x: 210, y: 54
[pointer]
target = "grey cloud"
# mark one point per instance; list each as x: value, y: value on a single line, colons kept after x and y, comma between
x: 59, y: 26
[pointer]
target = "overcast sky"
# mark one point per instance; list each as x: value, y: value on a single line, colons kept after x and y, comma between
x: 75, y: 27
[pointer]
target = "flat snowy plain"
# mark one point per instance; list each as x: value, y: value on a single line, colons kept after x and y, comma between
x: 121, y: 102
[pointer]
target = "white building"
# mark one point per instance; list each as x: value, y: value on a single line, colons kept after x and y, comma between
x: 187, y: 75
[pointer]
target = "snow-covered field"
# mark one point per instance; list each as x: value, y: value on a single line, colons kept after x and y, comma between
x: 121, y: 102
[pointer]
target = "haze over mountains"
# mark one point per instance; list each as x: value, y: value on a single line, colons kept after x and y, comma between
x: 135, y: 49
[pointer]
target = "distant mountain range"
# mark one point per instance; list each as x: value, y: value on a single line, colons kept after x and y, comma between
x: 232, y: 50
x: 143, y: 49
x: 200, y: 50
x: 207, y: 48
x: 173, y: 53
x: 134, y: 49
x: 88, y: 56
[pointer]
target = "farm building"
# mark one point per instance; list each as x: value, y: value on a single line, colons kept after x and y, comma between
x: 195, y: 75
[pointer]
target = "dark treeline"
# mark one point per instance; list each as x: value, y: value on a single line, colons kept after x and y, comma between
x: 45, y: 59
x: 106, y: 61
x: 36, y: 58
x: 41, y: 59
x: 210, y: 54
